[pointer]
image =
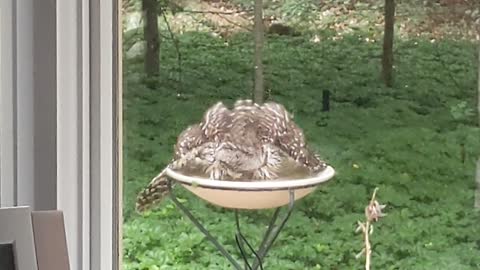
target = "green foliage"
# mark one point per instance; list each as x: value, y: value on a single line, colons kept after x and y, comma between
x: 302, y: 10
x: 405, y: 140
x: 461, y: 111
x: 131, y: 37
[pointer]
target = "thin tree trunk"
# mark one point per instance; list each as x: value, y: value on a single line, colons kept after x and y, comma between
x: 258, y: 93
x: 387, y: 60
x: 352, y: 3
x: 477, y: 192
x: 478, y: 78
x: 477, y: 177
x: 152, y: 37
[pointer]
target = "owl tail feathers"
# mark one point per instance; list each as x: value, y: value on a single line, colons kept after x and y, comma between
x: 153, y: 194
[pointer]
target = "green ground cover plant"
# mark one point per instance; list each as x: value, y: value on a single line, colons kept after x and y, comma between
x: 406, y: 140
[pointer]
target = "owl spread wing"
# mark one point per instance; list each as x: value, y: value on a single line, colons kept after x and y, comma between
x: 189, y: 139
x: 192, y: 142
x: 216, y: 122
x: 250, y: 142
x: 289, y: 137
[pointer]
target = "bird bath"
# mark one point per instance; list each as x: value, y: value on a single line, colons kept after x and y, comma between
x: 250, y: 195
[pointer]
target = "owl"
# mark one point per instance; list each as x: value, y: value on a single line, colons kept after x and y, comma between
x: 249, y: 141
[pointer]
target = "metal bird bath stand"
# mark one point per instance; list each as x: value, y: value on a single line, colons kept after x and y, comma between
x: 281, y: 193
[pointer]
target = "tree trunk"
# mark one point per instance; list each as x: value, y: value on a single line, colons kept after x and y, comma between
x: 477, y: 180
x: 258, y: 93
x: 387, y: 60
x: 152, y: 37
x: 351, y: 5
x: 477, y: 177
x: 478, y: 79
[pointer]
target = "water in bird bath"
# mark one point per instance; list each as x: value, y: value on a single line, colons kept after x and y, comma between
x: 288, y: 170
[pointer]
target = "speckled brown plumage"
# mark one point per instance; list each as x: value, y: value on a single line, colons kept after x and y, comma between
x: 249, y: 141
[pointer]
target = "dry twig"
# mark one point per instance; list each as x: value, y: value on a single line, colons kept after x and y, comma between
x: 373, y: 212
x: 217, y: 12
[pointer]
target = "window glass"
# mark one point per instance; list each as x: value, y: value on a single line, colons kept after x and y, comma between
x: 385, y: 92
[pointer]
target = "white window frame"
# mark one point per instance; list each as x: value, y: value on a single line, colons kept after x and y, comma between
x: 60, y: 119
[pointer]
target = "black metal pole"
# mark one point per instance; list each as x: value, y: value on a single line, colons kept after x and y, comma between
x: 325, y: 100
x: 202, y: 229
x: 269, y: 238
x: 273, y: 234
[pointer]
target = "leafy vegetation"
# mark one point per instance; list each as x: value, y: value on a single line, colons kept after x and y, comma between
x: 416, y: 141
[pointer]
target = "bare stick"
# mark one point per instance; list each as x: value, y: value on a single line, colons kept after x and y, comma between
x: 372, y: 213
x: 177, y: 49
x: 216, y: 12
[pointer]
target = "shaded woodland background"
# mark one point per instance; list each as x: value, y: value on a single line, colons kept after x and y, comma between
x: 401, y: 114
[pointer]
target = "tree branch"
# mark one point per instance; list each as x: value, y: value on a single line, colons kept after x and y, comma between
x: 215, y: 12
x: 177, y: 49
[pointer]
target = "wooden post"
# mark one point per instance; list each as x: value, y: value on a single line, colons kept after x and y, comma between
x: 387, y: 60
x: 325, y: 100
x: 258, y: 92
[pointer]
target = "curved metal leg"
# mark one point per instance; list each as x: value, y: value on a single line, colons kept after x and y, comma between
x: 240, y: 239
x: 269, y: 238
x: 202, y: 229
x: 273, y: 232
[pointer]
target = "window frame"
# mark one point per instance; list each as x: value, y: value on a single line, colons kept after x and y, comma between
x: 79, y: 77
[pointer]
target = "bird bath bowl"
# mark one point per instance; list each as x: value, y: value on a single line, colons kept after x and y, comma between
x: 251, y: 194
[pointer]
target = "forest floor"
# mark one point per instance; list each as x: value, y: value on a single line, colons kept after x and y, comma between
x: 417, y: 142
x: 432, y: 19
x: 435, y: 20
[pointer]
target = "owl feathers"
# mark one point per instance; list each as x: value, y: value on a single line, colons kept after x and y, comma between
x: 249, y: 141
